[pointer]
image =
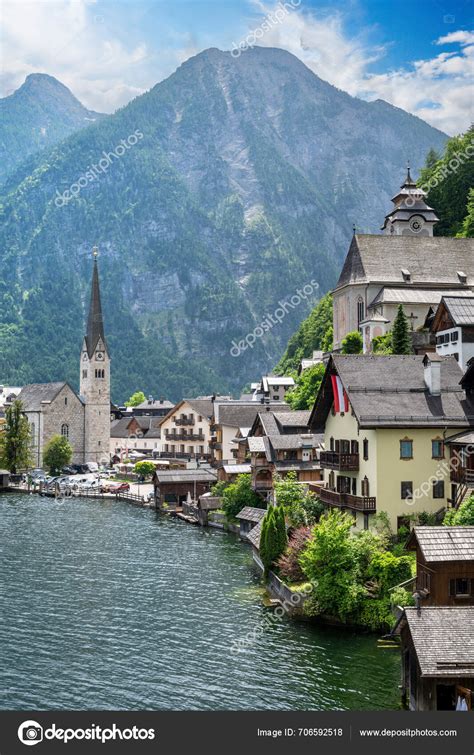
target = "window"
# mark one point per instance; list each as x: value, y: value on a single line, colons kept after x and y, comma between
x: 65, y: 400
x: 438, y: 489
x: 360, y: 310
x: 437, y: 449
x: 276, y: 397
x: 100, y: 373
x: 32, y: 430
x: 454, y: 336
x: 365, y: 487
x: 65, y: 431
x: 461, y: 587
x: 406, y: 449
x: 331, y: 444
x: 406, y: 490
x: 84, y: 373
x: 366, y: 449
x: 354, y: 486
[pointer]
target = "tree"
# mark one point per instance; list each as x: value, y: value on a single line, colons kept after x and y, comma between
x: 352, y: 343
x: 281, y: 527
x: 463, y: 516
x: 15, y: 439
x: 239, y: 494
x: 136, y: 398
x: 382, y: 344
x: 57, y: 454
x: 467, y: 231
x: 303, y: 395
x: 288, y: 563
x: 401, y: 339
x: 313, y: 334
x: 300, y: 506
x: 144, y: 468
x: 271, y: 541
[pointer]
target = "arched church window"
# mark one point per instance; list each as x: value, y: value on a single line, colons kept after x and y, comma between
x: 32, y: 430
x: 65, y: 430
x: 360, y: 310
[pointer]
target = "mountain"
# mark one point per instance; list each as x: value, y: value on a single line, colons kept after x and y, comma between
x: 213, y: 198
x: 39, y: 114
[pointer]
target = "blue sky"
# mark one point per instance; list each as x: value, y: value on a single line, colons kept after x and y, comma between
x: 416, y: 54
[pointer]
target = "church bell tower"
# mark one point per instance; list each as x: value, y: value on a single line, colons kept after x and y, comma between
x: 410, y: 215
x: 95, y: 379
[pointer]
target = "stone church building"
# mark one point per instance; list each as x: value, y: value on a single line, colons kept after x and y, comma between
x: 84, y: 417
x: 405, y: 264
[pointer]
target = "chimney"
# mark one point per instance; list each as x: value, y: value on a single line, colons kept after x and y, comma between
x: 432, y: 365
x: 150, y: 399
x: 161, y: 399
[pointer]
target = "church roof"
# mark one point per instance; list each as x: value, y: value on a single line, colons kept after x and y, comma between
x: 33, y: 395
x: 433, y: 261
x: 95, y: 321
x: 388, y: 295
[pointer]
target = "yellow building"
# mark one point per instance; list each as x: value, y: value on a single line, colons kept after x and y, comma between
x: 385, y: 421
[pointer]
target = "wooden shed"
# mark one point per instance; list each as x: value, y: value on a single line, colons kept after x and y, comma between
x: 437, y: 645
x: 444, y: 565
x: 248, y: 518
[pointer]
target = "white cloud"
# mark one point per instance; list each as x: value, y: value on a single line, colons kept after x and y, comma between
x: 70, y: 40
x: 439, y: 89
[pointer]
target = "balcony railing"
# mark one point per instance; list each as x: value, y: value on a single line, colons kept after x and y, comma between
x: 341, y: 461
x: 183, y: 438
x: 346, y: 500
x: 464, y: 476
x: 184, y: 421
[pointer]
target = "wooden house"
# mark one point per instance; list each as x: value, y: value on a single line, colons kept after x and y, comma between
x: 248, y: 518
x: 444, y: 565
x: 437, y: 657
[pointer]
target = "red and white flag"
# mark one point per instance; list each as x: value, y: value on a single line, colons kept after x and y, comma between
x: 341, y: 402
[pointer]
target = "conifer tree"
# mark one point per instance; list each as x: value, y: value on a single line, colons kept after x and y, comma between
x: 401, y: 339
x: 15, y: 439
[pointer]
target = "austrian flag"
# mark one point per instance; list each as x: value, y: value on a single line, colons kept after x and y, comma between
x: 341, y: 402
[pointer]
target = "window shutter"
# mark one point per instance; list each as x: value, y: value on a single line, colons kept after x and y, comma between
x: 452, y: 587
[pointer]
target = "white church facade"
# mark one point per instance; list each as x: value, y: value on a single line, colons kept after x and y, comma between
x: 84, y: 417
x: 405, y: 264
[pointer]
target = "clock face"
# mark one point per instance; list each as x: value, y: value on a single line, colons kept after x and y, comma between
x: 416, y: 224
x: 100, y: 356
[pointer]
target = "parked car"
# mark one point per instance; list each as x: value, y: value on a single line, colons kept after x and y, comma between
x: 69, y: 471
x: 90, y: 485
x: 115, y: 487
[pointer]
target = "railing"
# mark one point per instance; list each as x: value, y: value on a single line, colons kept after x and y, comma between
x: 346, y: 500
x: 463, y: 475
x: 180, y: 436
x: 184, y: 421
x: 340, y: 461
x: 179, y: 455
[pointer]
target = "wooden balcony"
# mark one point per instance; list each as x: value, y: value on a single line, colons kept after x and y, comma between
x: 346, y: 500
x: 463, y: 476
x: 340, y: 461
x: 172, y: 436
x: 184, y: 421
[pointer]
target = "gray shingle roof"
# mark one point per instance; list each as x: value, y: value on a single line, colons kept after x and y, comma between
x: 292, y: 419
x: 185, y: 475
x: 241, y: 415
x: 34, y: 394
x: 155, y: 404
x: 237, y: 468
x: 461, y: 309
x: 445, y: 543
x: 390, y: 391
x: 256, y: 444
x: 409, y: 295
x: 202, y: 406
x: 431, y: 260
x: 251, y: 514
x: 443, y: 640
x: 254, y: 535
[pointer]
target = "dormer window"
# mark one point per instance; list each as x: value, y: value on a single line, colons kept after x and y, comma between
x: 406, y: 275
x: 462, y: 277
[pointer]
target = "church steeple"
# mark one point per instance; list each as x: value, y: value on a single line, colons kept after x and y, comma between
x: 95, y: 320
x: 410, y: 216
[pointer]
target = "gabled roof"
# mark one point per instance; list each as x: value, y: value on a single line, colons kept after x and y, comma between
x: 432, y: 260
x: 242, y: 414
x: 33, y: 395
x: 390, y: 391
x: 460, y: 309
x: 407, y: 295
x: 443, y: 639
x: 444, y: 543
x: 155, y: 404
x: 185, y: 475
x: 254, y: 535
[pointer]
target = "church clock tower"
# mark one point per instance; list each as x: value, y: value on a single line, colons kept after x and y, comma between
x: 95, y: 379
x: 410, y: 215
